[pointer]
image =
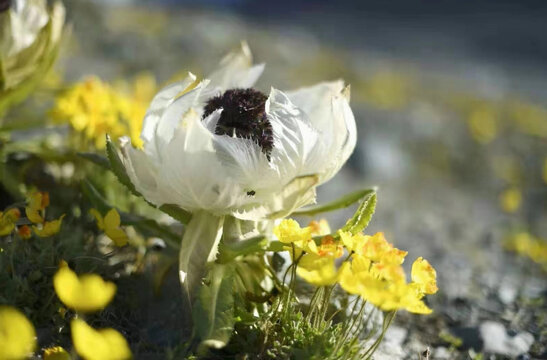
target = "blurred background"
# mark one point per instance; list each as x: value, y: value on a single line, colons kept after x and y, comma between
x: 449, y: 98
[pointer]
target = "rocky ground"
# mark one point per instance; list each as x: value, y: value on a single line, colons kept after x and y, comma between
x: 440, y: 173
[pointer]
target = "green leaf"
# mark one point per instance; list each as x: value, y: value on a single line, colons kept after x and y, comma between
x: 362, y: 216
x: 340, y: 203
x: 117, y: 167
x: 228, y: 252
x: 100, y: 160
x: 198, y: 248
x: 213, y: 313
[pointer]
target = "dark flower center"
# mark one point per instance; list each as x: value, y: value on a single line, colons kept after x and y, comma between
x: 5, y: 5
x: 243, y: 115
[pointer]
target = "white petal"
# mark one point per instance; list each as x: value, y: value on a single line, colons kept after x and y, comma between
x: 345, y: 138
x: 315, y: 102
x: 236, y: 70
x: 158, y: 105
x: 193, y: 173
x: 26, y: 20
x: 141, y: 171
x: 297, y: 193
x: 246, y: 163
x: 174, y: 114
x: 296, y: 147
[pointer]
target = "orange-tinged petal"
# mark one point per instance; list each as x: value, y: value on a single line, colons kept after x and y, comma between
x: 425, y: 276
x: 24, y: 232
x: 56, y: 353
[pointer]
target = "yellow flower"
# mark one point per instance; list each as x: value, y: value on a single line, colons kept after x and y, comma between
x: 8, y: 219
x: 320, y: 227
x: 48, y: 228
x: 378, y: 249
x: 510, y: 199
x: 317, y: 270
x: 424, y: 275
x: 17, y: 335
x: 329, y: 247
x: 482, y: 122
x: 94, y: 109
x: 56, y: 353
x: 110, y: 224
x: 289, y: 232
x: 37, y: 203
x: 85, y: 293
x: 103, y: 344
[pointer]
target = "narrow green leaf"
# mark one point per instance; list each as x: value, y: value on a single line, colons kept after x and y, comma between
x: 213, y: 313
x: 96, y: 159
x: 228, y: 252
x: 340, y: 203
x: 117, y: 166
x: 362, y: 216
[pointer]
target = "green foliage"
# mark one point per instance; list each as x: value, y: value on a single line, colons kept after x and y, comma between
x: 213, y: 312
x: 359, y: 221
x: 343, y: 202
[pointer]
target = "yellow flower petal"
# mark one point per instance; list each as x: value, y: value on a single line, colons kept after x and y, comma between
x: 103, y: 344
x: 289, y: 231
x: 112, y: 219
x: 86, y: 293
x: 49, y: 228
x: 425, y: 276
x: 317, y: 270
x: 24, y: 232
x: 34, y: 215
x: 118, y: 236
x: 17, y: 335
x: 98, y: 218
x: 320, y: 227
x: 56, y: 353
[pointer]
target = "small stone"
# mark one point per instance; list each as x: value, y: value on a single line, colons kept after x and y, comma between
x: 497, y: 341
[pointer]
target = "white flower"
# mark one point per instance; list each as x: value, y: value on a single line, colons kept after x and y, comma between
x: 222, y: 147
x: 30, y: 33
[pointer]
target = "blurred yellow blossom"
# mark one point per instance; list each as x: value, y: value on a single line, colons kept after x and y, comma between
x: 482, y: 122
x: 85, y: 293
x: 94, y: 109
x: 317, y: 270
x: 510, y: 199
x: 17, y: 335
x: 56, y: 353
x: 526, y: 244
x: 320, y: 227
x: 110, y: 224
x: 48, y: 228
x: 8, y: 219
x: 36, y: 204
x: 529, y: 118
x: 386, y: 90
x: 103, y: 344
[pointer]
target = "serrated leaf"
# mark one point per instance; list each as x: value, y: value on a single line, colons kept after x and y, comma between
x: 213, y: 313
x: 117, y: 166
x: 199, y: 247
x: 176, y: 213
x: 359, y: 221
x: 340, y: 203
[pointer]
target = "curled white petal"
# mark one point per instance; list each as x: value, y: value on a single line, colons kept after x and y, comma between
x: 25, y: 20
x: 236, y: 70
